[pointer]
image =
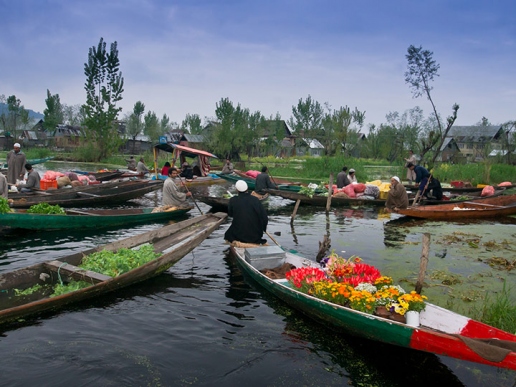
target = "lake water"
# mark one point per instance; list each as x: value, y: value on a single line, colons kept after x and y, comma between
x: 203, y: 324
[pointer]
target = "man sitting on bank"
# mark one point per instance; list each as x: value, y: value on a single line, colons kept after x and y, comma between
x: 249, y: 217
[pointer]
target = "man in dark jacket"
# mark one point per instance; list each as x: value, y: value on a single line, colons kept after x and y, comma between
x: 263, y: 182
x: 249, y: 217
x: 342, y: 178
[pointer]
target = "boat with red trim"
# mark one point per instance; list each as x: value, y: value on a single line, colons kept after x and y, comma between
x: 441, y: 331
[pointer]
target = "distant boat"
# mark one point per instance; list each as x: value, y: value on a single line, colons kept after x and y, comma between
x: 33, y: 161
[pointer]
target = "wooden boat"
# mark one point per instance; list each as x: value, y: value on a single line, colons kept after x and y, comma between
x: 234, y: 177
x: 99, y: 194
x: 172, y: 242
x: 318, y: 200
x: 103, y: 175
x: 220, y: 203
x: 33, y: 161
x: 88, y: 218
x: 490, y: 207
x: 441, y: 332
x: 464, y: 197
x: 179, y: 154
x: 282, y: 184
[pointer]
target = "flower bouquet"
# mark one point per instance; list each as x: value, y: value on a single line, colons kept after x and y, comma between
x: 335, y: 292
x: 303, y: 277
x: 412, y: 302
x: 363, y: 301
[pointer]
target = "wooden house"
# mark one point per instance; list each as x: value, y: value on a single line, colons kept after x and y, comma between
x: 474, y: 141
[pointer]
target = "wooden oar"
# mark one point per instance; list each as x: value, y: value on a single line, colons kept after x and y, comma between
x: 272, y: 238
x: 187, y: 190
x: 421, y: 193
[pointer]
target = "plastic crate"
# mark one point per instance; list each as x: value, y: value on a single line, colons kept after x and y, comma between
x: 47, y: 184
x: 383, y: 195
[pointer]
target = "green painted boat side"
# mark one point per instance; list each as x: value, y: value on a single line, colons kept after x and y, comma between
x: 87, y: 218
x: 233, y: 178
x: 35, y: 161
x: 352, y: 321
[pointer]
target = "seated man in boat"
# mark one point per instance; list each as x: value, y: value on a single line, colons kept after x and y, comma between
x: 342, y: 178
x: 32, y: 182
x: 352, y: 177
x: 263, y: 182
x: 398, y: 197
x: 249, y: 217
x: 228, y: 167
x: 141, y: 167
x: 4, y: 187
x: 187, y: 171
x: 172, y: 196
x: 131, y: 163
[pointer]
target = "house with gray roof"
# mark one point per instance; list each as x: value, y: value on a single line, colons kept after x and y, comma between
x: 472, y: 141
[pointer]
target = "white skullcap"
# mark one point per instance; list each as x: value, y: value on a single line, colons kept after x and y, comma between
x: 397, y: 179
x: 17, y: 145
x: 351, y: 170
x: 241, y: 186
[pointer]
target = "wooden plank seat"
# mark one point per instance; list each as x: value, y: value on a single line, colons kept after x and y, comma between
x: 76, y: 272
x: 78, y: 212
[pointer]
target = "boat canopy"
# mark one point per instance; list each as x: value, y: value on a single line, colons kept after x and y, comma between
x: 180, y: 152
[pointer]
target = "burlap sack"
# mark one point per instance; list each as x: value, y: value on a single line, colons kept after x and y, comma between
x: 63, y: 181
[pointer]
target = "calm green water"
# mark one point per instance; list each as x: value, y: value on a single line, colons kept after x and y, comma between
x: 203, y: 324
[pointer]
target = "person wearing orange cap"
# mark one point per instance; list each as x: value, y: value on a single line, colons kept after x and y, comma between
x: 16, y: 161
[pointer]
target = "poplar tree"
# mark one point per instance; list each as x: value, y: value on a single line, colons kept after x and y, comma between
x: 104, y: 87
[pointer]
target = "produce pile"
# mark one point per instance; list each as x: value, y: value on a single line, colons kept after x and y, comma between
x: 4, y: 206
x: 45, y: 208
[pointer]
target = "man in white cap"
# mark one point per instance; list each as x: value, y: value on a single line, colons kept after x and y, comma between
x: 398, y: 197
x: 171, y: 194
x: 249, y: 217
x: 16, y: 161
x: 351, y: 176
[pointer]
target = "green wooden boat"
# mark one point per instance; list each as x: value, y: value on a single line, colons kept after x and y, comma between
x: 34, y: 161
x: 96, y: 218
x: 171, y: 243
x: 441, y: 331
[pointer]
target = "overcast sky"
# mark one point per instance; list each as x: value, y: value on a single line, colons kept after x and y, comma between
x: 181, y: 57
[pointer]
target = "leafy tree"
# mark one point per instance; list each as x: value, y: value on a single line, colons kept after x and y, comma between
x: 54, y: 114
x: 74, y: 115
x: 192, y: 124
x: 15, y: 118
x: 336, y: 127
x: 407, y: 128
x: 134, y: 124
x: 104, y: 87
x: 165, y: 124
x: 152, y: 127
x: 422, y: 69
x: 307, y: 118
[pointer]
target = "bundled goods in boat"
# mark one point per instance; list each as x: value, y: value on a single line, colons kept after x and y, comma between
x: 104, y: 262
x: 4, y: 206
x: 487, y: 191
x: 165, y: 209
x: 45, y: 208
x: 356, y: 285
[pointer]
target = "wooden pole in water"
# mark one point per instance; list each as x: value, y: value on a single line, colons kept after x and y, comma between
x: 298, y: 201
x: 330, y: 193
x: 423, y: 263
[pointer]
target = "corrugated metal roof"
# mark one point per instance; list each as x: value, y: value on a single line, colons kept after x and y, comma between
x: 473, y: 133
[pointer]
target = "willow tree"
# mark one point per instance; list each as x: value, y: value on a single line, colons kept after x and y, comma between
x: 104, y: 87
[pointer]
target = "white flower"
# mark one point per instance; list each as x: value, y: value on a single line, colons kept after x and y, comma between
x: 367, y: 287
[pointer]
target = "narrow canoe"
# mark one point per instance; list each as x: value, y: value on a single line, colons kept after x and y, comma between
x: 318, y: 200
x: 490, y: 207
x: 104, y: 175
x: 219, y: 203
x: 34, y: 161
x: 171, y: 242
x: 464, y: 197
x: 88, y: 218
x: 441, y: 332
x: 113, y: 193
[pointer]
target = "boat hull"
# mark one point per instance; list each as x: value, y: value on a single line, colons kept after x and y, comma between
x: 440, y: 332
x: 87, y: 219
x: 173, y: 242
